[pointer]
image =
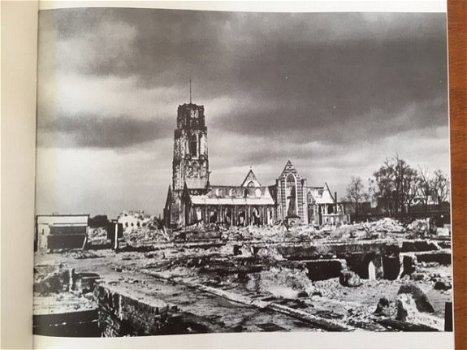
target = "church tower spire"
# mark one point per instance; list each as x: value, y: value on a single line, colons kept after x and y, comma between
x: 190, y: 93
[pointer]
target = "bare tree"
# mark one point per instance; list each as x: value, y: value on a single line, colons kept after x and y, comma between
x: 411, y: 187
x: 425, y: 187
x: 382, y: 187
x: 394, y: 185
x: 355, y: 193
x: 405, y: 178
x: 440, y: 186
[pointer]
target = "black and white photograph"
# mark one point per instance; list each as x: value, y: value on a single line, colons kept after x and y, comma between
x: 227, y: 172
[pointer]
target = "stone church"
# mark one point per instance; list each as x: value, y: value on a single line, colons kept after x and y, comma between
x: 192, y: 198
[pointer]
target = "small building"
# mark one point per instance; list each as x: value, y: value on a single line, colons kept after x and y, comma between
x: 323, y: 208
x: 60, y: 231
x: 131, y: 220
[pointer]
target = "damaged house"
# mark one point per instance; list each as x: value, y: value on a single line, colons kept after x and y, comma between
x: 191, y: 198
x: 60, y: 231
x: 133, y: 220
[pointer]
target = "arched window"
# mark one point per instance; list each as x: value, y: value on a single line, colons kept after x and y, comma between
x: 213, y: 217
x: 291, y: 195
x: 251, y: 184
x: 256, y: 217
x: 309, y: 198
x: 241, y: 218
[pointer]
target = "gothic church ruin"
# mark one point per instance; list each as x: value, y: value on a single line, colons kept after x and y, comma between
x: 192, y: 198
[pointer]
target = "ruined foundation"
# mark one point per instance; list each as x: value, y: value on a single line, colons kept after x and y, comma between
x: 236, y: 281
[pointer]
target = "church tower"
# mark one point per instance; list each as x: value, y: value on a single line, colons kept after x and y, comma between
x: 190, y: 160
x: 190, y: 163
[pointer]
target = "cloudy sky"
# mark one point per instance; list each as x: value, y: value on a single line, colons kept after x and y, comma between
x: 335, y: 93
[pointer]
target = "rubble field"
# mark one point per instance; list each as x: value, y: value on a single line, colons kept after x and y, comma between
x: 378, y: 276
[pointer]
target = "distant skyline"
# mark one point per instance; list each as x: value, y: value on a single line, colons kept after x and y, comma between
x: 336, y: 94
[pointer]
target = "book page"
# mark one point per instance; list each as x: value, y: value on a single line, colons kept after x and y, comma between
x: 18, y: 136
x: 242, y: 175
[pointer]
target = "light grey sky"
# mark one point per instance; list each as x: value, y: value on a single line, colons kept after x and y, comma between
x: 335, y: 93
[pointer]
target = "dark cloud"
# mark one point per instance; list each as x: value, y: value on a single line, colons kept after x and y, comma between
x: 306, y: 74
x: 336, y: 93
x: 336, y: 123
x: 92, y: 131
x: 169, y: 45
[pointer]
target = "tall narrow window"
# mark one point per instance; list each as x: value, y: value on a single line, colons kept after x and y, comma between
x: 201, y: 145
x: 193, y: 145
x: 291, y: 196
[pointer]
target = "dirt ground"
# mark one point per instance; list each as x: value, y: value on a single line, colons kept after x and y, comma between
x: 281, y: 285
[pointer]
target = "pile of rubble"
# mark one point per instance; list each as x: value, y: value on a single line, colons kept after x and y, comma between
x: 145, y: 236
x: 380, y: 229
x: 422, y: 227
x: 97, y: 236
x: 281, y: 283
x: 56, y: 281
x: 410, y: 310
x: 273, y: 233
x: 305, y: 233
x: 198, y: 232
x: 386, y: 225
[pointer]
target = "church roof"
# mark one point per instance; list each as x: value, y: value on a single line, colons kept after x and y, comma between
x: 234, y: 195
x: 251, y: 178
x: 321, y: 195
x: 289, y: 168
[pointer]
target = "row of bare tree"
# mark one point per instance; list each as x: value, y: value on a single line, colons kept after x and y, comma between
x: 397, y: 187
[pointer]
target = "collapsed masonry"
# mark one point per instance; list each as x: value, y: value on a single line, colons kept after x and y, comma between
x: 182, y: 286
